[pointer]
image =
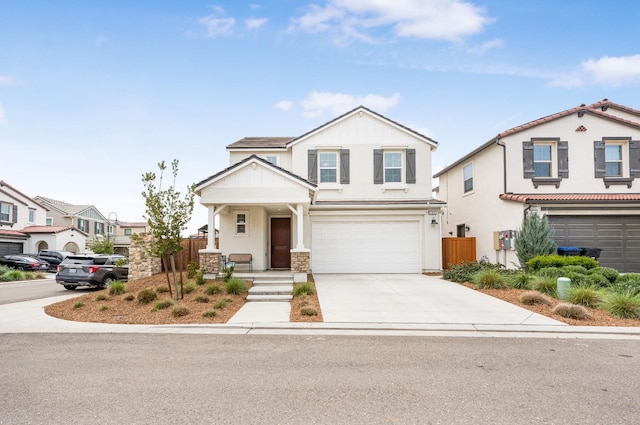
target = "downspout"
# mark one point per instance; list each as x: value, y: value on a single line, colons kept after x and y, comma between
x: 500, y: 143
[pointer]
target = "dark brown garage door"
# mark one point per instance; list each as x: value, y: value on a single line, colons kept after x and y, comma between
x: 618, y: 236
x: 7, y: 248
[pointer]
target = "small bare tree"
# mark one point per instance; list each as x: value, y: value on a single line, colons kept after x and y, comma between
x: 167, y: 215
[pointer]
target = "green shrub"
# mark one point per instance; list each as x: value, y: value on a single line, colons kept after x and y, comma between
x: 553, y: 272
x: 536, y: 263
x: 588, y: 296
x: 571, y: 311
x: 227, y: 272
x: 162, y: 289
x: 489, y: 279
x: 534, y: 297
x: 210, y: 313
x: 235, y: 286
x: 629, y: 282
x: 596, y: 279
x: 520, y: 280
x: 129, y: 297
x: 308, y: 311
x: 577, y: 279
x: 192, y: 269
x: 462, y: 272
x: 220, y: 304
x: 34, y: 275
x: 161, y: 305
x: 610, y: 273
x: 104, y: 308
x: 574, y: 269
x: 147, y: 296
x: 179, y: 311
x: 546, y: 285
x: 78, y: 304
x: 201, y: 299
x: 116, y: 287
x: 189, y: 287
x: 303, y: 289
x: 622, y: 304
x: 212, y: 289
x: 100, y: 297
x: 13, y: 275
x: 200, y: 277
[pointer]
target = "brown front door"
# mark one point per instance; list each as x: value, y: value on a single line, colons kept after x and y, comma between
x: 281, y: 243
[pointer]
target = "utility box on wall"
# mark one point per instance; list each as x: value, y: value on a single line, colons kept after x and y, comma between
x: 503, y: 240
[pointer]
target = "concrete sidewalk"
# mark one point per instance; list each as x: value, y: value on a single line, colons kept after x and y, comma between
x: 388, y: 305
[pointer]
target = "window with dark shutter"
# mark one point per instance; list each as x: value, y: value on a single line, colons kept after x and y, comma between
x: 634, y: 158
x: 411, y: 166
x: 344, y: 166
x: 563, y: 159
x: 378, y: 166
x: 527, y: 159
x: 598, y: 158
x: 312, y: 165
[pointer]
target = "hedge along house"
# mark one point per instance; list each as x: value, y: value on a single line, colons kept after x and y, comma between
x: 580, y: 167
x: 351, y: 196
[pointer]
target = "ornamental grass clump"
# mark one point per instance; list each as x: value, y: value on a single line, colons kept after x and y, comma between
x: 534, y: 297
x: 212, y: 289
x: 116, y: 287
x: 625, y: 305
x: 220, y: 304
x: 100, y: 297
x: 588, y: 296
x: 180, y: 311
x: 308, y: 311
x: 303, y: 289
x: 546, y: 285
x: 235, y: 286
x: 189, y: 287
x: 161, y: 305
x: 201, y: 299
x: 78, y: 304
x: 571, y: 311
x: 489, y: 279
x: 147, y: 296
x: 553, y: 272
x: 210, y: 313
x: 520, y: 280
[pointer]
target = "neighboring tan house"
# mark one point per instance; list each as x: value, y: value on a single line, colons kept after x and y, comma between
x: 119, y: 232
x: 580, y: 167
x: 23, y: 226
x: 351, y: 196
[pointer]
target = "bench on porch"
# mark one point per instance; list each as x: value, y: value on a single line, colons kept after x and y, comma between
x: 240, y: 259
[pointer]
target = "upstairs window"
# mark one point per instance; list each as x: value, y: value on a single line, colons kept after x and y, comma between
x: 467, y: 176
x: 49, y: 221
x: 32, y: 216
x: 542, y: 160
x: 613, y: 160
x: 127, y: 232
x: 617, y: 160
x: 328, y: 167
x: 83, y: 225
x: 242, y: 228
x: 392, y: 167
x: 272, y: 159
x: 5, y: 212
x: 545, y: 161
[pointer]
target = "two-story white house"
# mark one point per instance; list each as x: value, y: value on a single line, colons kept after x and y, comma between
x: 351, y: 196
x: 580, y: 167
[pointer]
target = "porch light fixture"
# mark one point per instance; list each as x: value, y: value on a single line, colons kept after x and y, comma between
x: 467, y: 228
x: 434, y: 221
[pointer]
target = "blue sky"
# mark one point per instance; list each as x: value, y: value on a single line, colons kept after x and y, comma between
x: 95, y: 93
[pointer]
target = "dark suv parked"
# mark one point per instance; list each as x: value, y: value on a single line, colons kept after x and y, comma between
x: 53, y: 257
x: 91, y: 270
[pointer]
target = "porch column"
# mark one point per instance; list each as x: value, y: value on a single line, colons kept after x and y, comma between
x: 300, y: 226
x: 211, y: 226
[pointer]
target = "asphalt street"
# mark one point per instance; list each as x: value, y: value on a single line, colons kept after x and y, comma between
x: 270, y: 379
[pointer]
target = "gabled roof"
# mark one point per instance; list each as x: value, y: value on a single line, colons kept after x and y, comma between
x: 64, y: 207
x: 14, y: 190
x: 544, y: 198
x: 285, y: 142
x: 595, y: 109
x: 254, y: 158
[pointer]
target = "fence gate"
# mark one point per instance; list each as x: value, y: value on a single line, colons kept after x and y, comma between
x: 457, y: 250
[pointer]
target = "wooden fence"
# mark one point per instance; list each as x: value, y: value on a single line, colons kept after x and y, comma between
x: 457, y: 250
x: 190, y: 248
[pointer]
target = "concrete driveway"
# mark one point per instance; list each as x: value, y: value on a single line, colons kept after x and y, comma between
x: 414, y: 298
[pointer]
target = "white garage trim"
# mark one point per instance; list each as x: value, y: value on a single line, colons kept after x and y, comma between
x: 366, y: 244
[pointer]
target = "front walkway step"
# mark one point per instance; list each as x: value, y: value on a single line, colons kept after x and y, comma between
x: 271, y: 290
x: 269, y: 282
x: 282, y: 298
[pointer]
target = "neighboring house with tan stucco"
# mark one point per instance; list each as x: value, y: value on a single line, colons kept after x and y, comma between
x: 351, y: 196
x: 580, y: 167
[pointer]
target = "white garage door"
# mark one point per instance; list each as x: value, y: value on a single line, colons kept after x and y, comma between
x: 366, y: 247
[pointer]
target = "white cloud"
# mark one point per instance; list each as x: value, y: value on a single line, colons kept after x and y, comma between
x: 216, y: 24
x: 5, y: 80
x: 482, y: 48
x: 254, y: 23
x: 284, y: 105
x: 608, y: 71
x: 450, y: 20
x: 3, y: 117
x: 320, y: 103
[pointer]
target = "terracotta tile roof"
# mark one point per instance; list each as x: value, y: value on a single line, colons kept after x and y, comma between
x: 593, y: 109
x: 132, y: 224
x: 51, y: 229
x: 261, y: 143
x: 421, y: 202
x: 13, y: 234
x: 571, y: 197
